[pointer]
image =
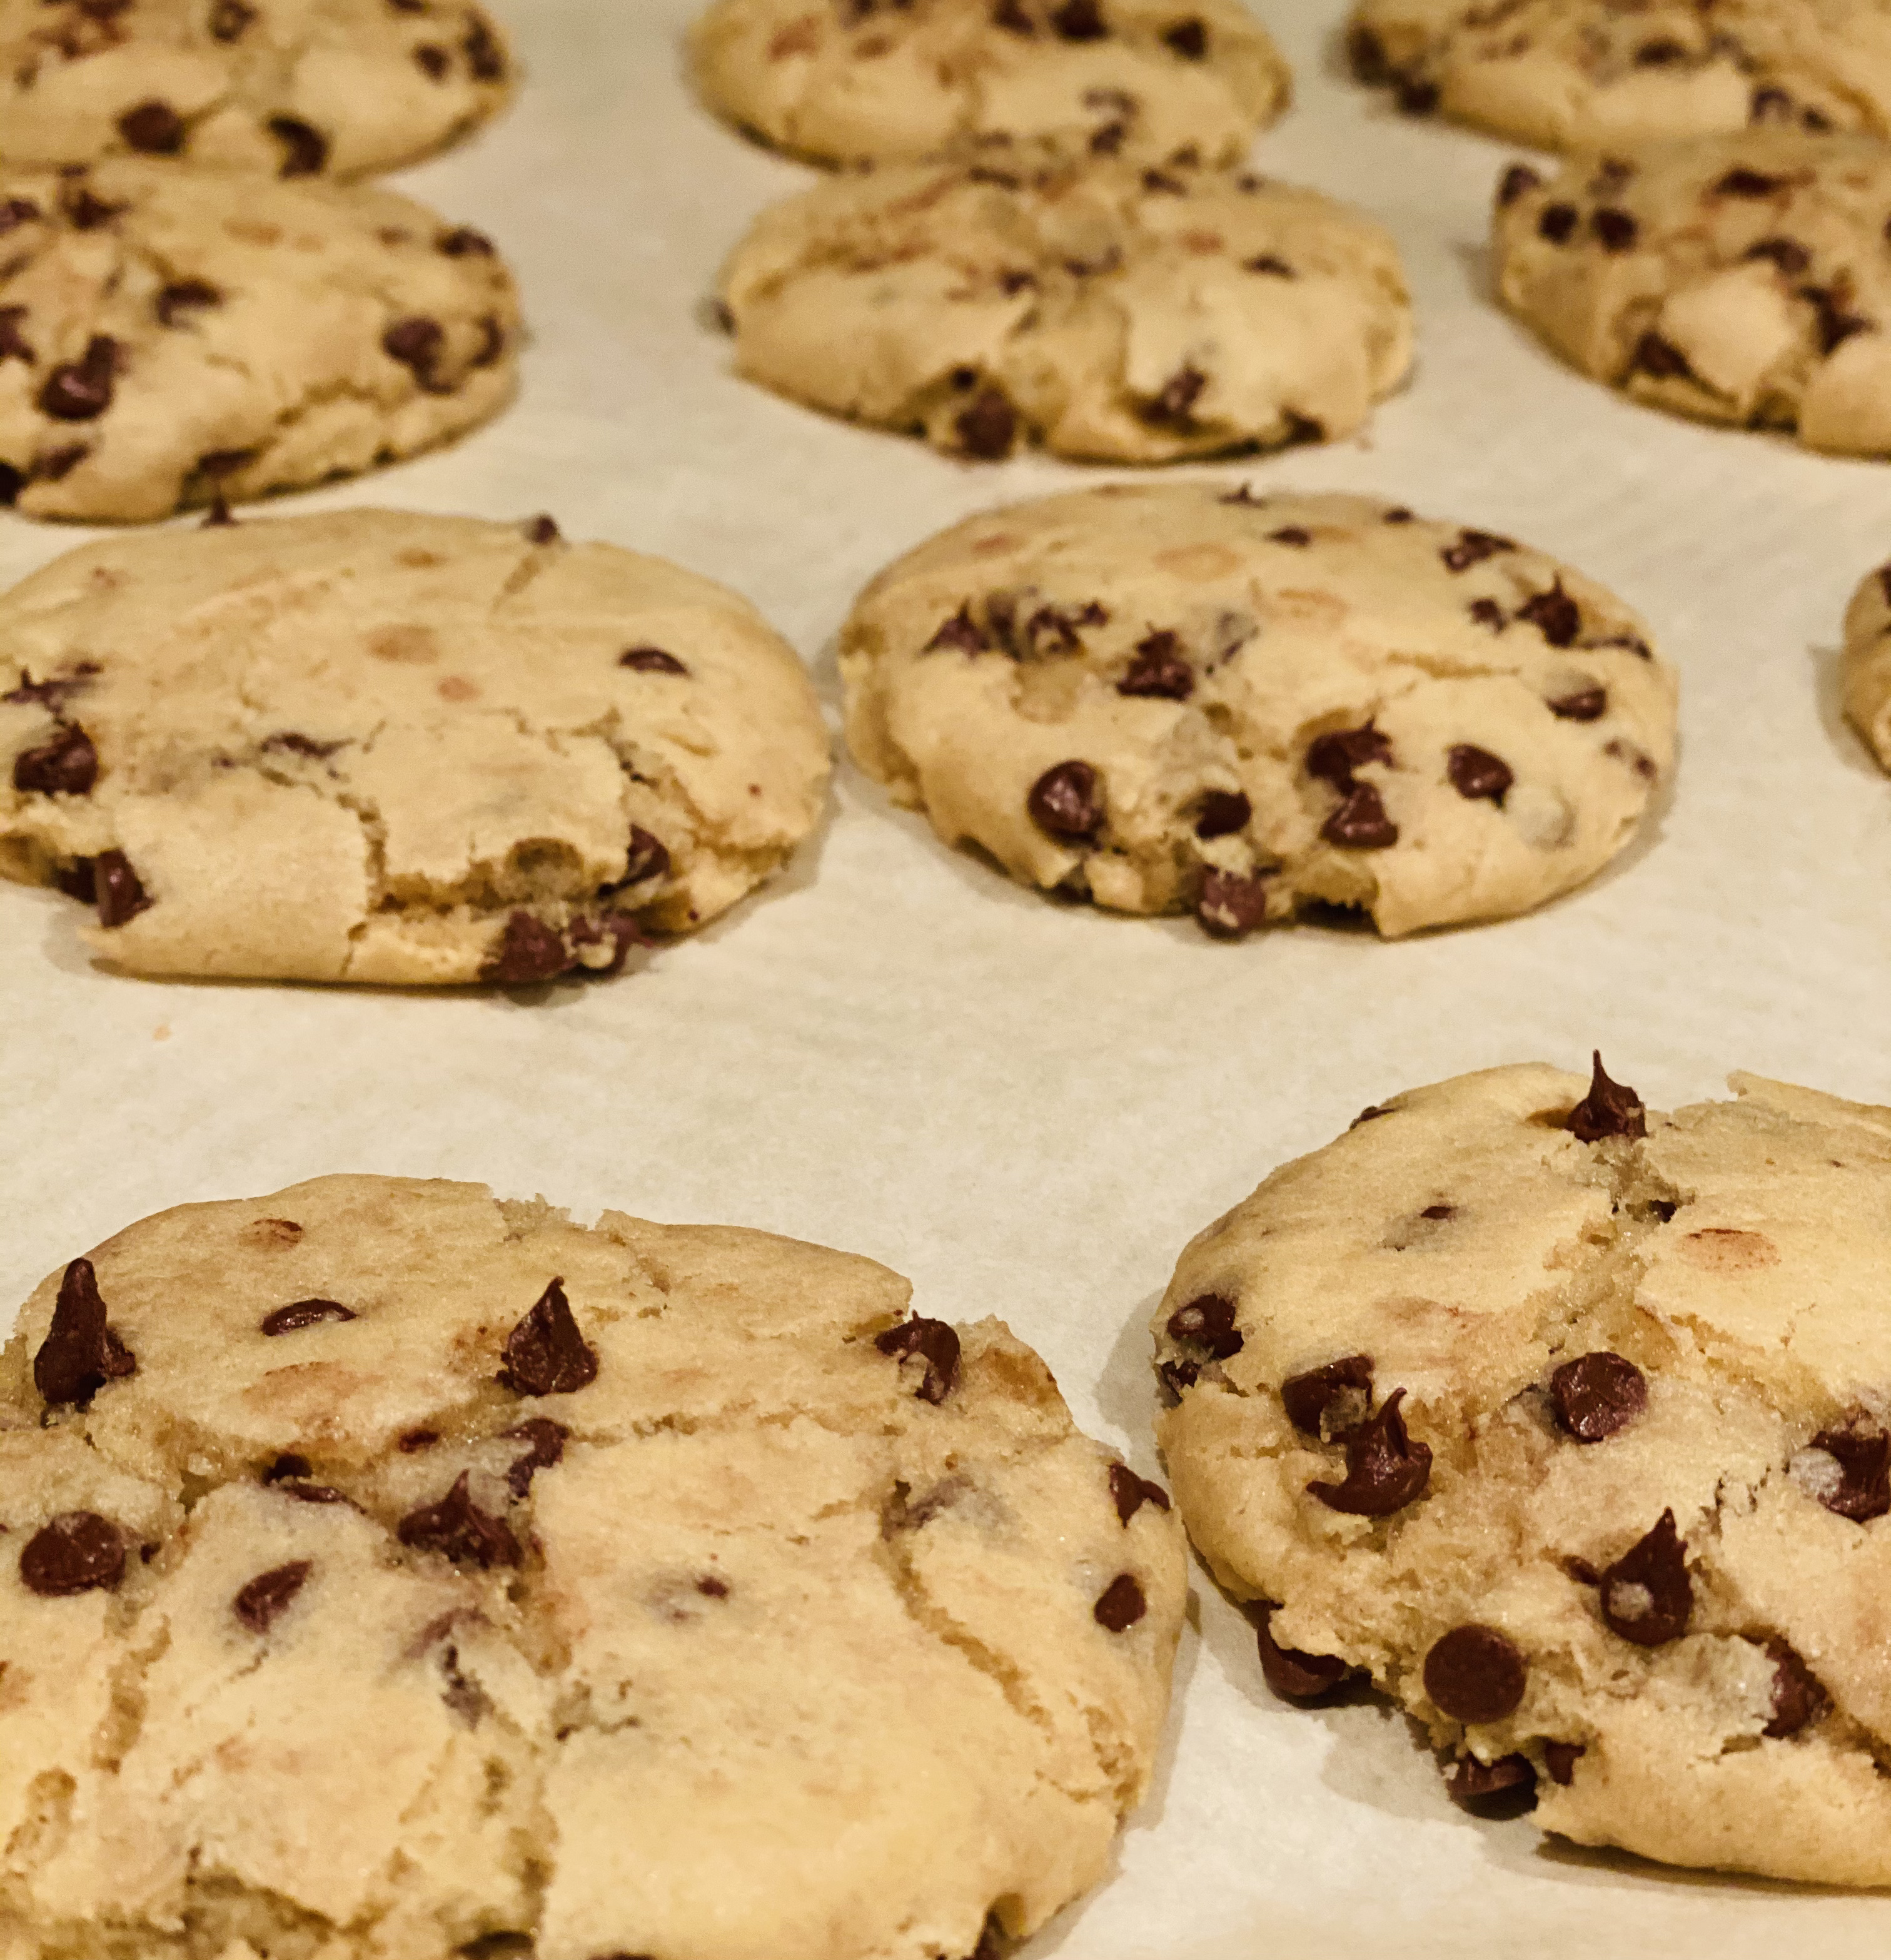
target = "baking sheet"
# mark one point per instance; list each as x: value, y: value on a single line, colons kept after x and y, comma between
x: 1026, y: 1108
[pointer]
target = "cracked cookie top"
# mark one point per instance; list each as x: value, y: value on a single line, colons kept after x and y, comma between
x: 375, y: 746
x: 851, y: 81
x: 1191, y: 697
x: 1105, y: 310
x: 1579, y: 74
x: 1565, y: 1421
x: 290, y: 87
x: 386, y: 1569
x: 1740, y: 279
x: 171, y: 336
x: 1867, y: 662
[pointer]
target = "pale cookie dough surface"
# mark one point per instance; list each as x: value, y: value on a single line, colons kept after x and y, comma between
x: 453, y: 1571
x: 1716, y: 1696
x: 374, y: 746
x: 1867, y: 662
x: 167, y: 335
x: 849, y: 81
x: 1185, y: 697
x: 1741, y: 279
x: 1105, y: 310
x: 1574, y: 74
x: 292, y: 88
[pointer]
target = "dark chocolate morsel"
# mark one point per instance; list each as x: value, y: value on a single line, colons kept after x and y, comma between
x: 1587, y: 704
x: 1293, y: 1675
x: 1477, y: 775
x: 988, y: 428
x: 543, y: 529
x: 432, y: 61
x: 463, y: 242
x: 184, y: 296
x: 1360, y: 823
x: 1476, y: 1674
x: 268, y: 1596
x: 1659, y: 358
x: 80, y: 390
x: 1516, y: 181
x: 77, y: 1552
x: 529, y: 953
x: 1554, y: 614
x: 305, y: 150
x: 1207, y: 1322
x: 651, y: 659
x: 459, y: 1529
x: 1309, y: 1398
x: 961, y: 634
x: 1121, y: 1606
x: 545, y: 1354
x: 483, y: 53
x: 1079, y: 20
x: 647, y: 858
x: 1560, y: 1760
x: 228, y: 18
x: 120, y: 896
x: 1231, y: 904
x: 1792, y: 257
x: 67, y: 765
x: 80, y: 1353
x: 1647, y: 1595
x: 1862, y: 1491
x: 1129, y: 1493
x: 1066, y: 803
x: 1610, y: 1109
x: 1556, y: 222
x: 413, y: 1441
x: 1188, y: 38
x: 301, y: 1314
x: 1332, y: 757
x: 1473, y: 548
x: 1222, y: 813
x: 1180, y: 393
x: 1158, y: 669
x: 1508, y: 1786
x: 1385, y: 1469
x: 153, y: 128
x: 1177, y: 1377
x: 286, y: 1467
x: 1615, y: 230
x: 1799, y: 1698
x: 417, y: 343
x: 546, y: 1439
x: 1596, y: 1395
x: 934, y: 1342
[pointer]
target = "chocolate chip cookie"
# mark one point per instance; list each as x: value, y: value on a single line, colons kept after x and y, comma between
x: 1565, y: 1421
x: 388, y: 1571
x: 1740, y: 279
x: 1580, y: 75
x: 1867, y: 662
x: 849, y: 81
x: 1104, y: 310
x: 290, y: 87
x: 1190, y: 697
x: 170, y: 337
x: 374, y: 746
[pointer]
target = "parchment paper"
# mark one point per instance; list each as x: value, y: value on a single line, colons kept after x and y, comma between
x: 1028, y: 1108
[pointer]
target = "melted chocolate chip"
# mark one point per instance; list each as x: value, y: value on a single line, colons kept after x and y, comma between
x: 960, y: 634
x: 1610, y: 1109
x: 1231, y: 904
x: 286, y: 1467
x: 268, y: 1596
x: 78, y: 391
x: 1385, y: 1469
x: 1332, y: 757
x: 1360, y: 823
x: 483, y: 53
x: 1291, y: 1675
x: 1366, y: 53
x: 545, y: 1354
x: 184, y: 296
x: 529, y: 953
x: 1312, y: 1399
x: 1518, y: 181
x: 1207, y: 1322
x: 1178, y: 1376
x: 417, y: 343
x: 14, y: 344
x: 546, y: 1439
x: 1743, y: 183
x: 153, y: 128
x: 1473, y: 548
x: 432, y: 61
x: 988, y: 428
x: 1587, y: 703
x: 301, y: 1314
x: 647, y: 857
x: 120, y: 896
x: 1554, y: 614
x: 1799, y: 1698
x: 1506, y: 1787
x: 77, y: 1552
x: 463, y: 242
x: 1787, y: 254
x: 1189, y: 39
x: 1647, y: 1595
x: 85, y: 211
x: 902, y: 1513
x: 1615, y: 230
x: 543, y: 529
x: 1659, y: 358
x: 1291, y: 534
x: 1836, y: 323
x: 1597, y: 1395
x: 1556, y: 222
x: 1129, y: 1493
x: 1223, y: 813
x: 413, y: 1441
x: 1079, y: 20
x: 1121, y: 1606
x: 1416, y: 96
x: 459, y: 1529
x: 305, y: 150
x: 935, y: 1344
x: 1476, y: 774
x: 1010, y: 15
x: 1560, y: 1760
x: 651, y: 659
x: 1179, y: 395
x: 1067, y: 802
x: 228, y: 18
x: 710, y: 1587
x: 1052, y: 630
x: 80, y: 1353
x: 67, y: 765
x: 1475, y: 1673
x: 1159, y: 669
x: 1862, y: 1491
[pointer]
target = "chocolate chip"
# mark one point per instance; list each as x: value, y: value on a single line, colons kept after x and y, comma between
x: 1658, y: 358
x: 1519, y: 180
x: 417, y: 344
x: 1178, y: 1376
x: 1274, y: 267
x: 1439, y: 1211
x: 651, y: 659
x: 1129, y: 1493
x: 184, y: 296
x: 228, y: 18
x: 1067, y: 802
x: 1508, y: 1787
x: 1836, y: 325
x: 1318, y: 1401
x: 1473, y: 548
x: 1054, y: 629
x: 960, y: 634
x: 1159, y: 182
x: 80, y: 1353
x: 1742, y: 183
x: 153, y: 128
x: 1864, y: 1490
x: 988, y: 428
x: 77, y: 1552
x: 1787, y: 253
x: 1477, y: 775
x: 121, y: 897
x: 1488, y: 612
x: 1597, y: 1395
x: 492, y: 342
x: 546, y: 1438
x: 1475, y: 1675
x: 1207, y: 1322
x: 1079, y: 20
x: 1610, y: 1109
x: 289, y: 743
x: 311, y: 1494
x: 1660, y: 53
x: 1223, y: 813
x: 902, y: 1512
x: 267, y: 1597
x: 1560, y: 1759
x: 67, y: 765
x: 483, y: 55
x: 76, y: 881
x: 1293, y: 1675
x: 301, y: 1314
x: 1231, y: 904
x: 459, y: 1529
x: 1332, y: 757
x: 1010, y: 15
x: 79, y: 390
x: 463, y: 242
x: 545, y: 1354
x: 932, y: 1341
x: 1556, y: 222
x: 529, y: 953
x: 1554, y: 614
x: 413, y: 1441
x: 1189, y: 39
x: 53, y: 466
x: 1159, y: 669
x: 1385, y: 1469
x: 1647, y: 1595
x: 305, y: 151
x: 85, y: 211
x: 1291, y: 534
x: 710, y: 1587
x: 216, y: 464
x: 1799, y: 1698
x: 285, y: 1466
x: 432, y: 61
x: 1416, y: 96
x: 1360, y: 823
x: 16, y: 211
x: 1180, y: 393
x: 543, y: 529
x: 1615, y: 230
x: 1121, y: 1606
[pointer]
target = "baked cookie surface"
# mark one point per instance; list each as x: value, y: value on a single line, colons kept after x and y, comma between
x: 168, y: 336
x: 373, y: 746
x: 390, y: 1569
x: 1107, y: 311
x: 1867, y: 662
x: 853, y: 81
x: 289, y: 88
x: 1741, y: 279
x: 1565, y: 1421
x: 1575, y: 74
x: 1185, y: 697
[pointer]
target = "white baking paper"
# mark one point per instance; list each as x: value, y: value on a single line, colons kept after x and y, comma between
x: 1026, y: 1107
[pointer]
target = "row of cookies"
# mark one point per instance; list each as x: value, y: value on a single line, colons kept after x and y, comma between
x: 643, y: 1589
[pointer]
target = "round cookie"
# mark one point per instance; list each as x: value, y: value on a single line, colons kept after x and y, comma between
x: 170, y: 337
x: 1183, y: 698
x: 1867, y: 662
x: 853, y: 80
x: 1741, y: 279
x: 1106, y: 311
x: 292, y: 87
x: 371, y: 746
x: 482, y: 1582
x: 1564, y: 1420
x: 1577, y: 75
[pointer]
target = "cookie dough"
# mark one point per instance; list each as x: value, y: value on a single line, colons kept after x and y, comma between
x: 1565, y: 1421
x: 291, y: 88
x: 389, y: 1571
x: 1867, y: 662
x: 1578, y: 74
x: 373, y: 746
x: 1106, y: 311
x: 170, y: 337
x: 1191, y: 697
x: 851, y: 80
x: 1740, y: 279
